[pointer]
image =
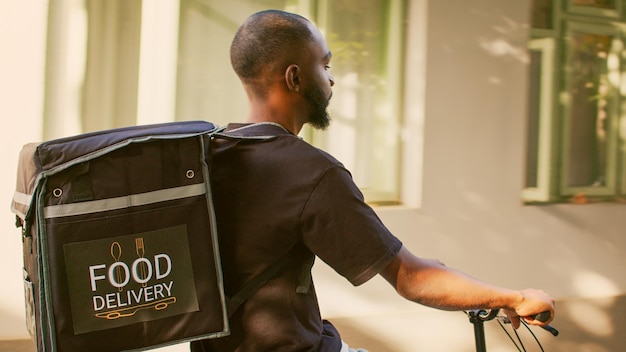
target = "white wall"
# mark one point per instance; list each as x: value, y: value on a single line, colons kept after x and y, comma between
x: 474, y: 163
x: 22, y: 41
x: 471, y: 215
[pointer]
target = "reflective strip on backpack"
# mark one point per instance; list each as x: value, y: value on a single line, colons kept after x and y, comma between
x: 133, y: 200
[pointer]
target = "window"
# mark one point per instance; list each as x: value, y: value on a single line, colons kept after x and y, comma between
x: 575, y: 149
x: 133, y: 62
x: 366, y: 40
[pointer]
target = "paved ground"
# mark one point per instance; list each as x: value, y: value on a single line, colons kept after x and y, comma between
x: 591, y: 325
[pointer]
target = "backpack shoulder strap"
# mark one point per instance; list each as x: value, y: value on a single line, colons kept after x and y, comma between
x: 233, y: 303
x: 304, y: 280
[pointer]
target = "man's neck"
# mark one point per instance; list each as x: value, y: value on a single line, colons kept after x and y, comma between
x: 277, y: 105
x: 276, y: 109
x: 288, y: 124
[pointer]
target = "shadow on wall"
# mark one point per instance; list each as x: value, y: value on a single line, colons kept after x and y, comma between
x: 591, y: 325
x: 585, y: 325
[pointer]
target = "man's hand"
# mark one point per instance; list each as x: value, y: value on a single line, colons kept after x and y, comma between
x: 532, y: 303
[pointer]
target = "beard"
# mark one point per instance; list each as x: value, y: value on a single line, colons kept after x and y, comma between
x: 319, y: 117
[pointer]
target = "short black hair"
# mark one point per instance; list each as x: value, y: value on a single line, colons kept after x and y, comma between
x: 266, y: 40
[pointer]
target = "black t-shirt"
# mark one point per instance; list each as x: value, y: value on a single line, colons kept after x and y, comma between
x: 280, y: 195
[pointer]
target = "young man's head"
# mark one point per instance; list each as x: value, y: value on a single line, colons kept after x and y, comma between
x: 276, y: 47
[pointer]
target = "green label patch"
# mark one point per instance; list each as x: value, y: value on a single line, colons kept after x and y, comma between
x: 129, y: 279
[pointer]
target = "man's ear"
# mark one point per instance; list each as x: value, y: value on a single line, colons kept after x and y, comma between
x: 292, y: 78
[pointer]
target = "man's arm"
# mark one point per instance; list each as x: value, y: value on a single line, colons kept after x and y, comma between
x: 431, y: 283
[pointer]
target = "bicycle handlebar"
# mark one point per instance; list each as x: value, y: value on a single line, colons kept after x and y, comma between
x: 485, y: 315
x: 478, y: 316
x: 543, y: 317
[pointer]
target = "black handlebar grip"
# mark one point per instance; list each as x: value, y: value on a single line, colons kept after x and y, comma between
x: 552, y: 330
x: 543, y: 316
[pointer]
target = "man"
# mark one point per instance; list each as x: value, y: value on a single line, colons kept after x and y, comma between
x: 276, y: 196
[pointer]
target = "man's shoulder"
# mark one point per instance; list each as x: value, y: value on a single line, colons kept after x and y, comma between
x: 306, y: 152
x: 281, y: 142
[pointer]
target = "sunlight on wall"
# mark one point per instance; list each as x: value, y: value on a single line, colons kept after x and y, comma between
x: 588, y: 283
x: 68, y: 37
x: 157, y: 67
x: 500, y: 47
x: 498, y: 42
x: 593, y: 316
x: 21, y: 106
x: 341, y: 139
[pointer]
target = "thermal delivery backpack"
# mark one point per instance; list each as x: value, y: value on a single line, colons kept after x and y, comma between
x: 119, y: 239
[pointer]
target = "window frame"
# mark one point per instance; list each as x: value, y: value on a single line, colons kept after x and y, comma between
x: 394, y: 58
x: 568, y: 18
x: 610, y: 187
x: 544, y: 189
x: 595, y: 11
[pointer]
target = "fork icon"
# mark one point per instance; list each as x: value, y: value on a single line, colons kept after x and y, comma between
x: 141, y: 251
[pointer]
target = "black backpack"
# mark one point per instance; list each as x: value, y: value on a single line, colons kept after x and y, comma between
x: 119, y: 239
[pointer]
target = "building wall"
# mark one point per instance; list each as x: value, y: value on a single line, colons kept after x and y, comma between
x: 22, y: 52
x: 474, y: 162
x: 471, y: 215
